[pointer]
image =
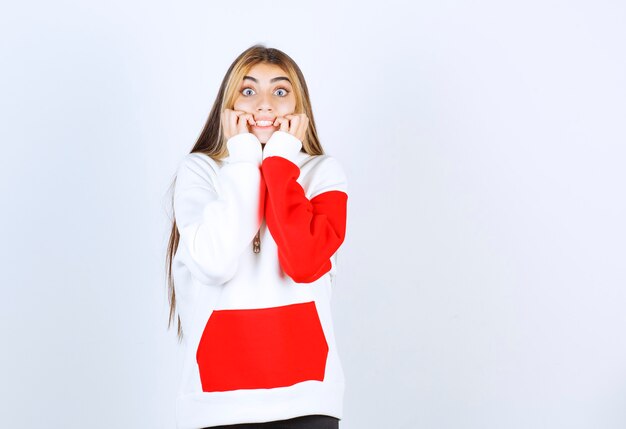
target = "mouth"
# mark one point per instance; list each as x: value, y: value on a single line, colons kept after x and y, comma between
x: 264, y: 125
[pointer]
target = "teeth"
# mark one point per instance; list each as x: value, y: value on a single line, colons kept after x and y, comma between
x: 264, y: 123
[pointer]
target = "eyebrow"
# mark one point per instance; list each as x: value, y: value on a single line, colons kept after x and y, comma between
x: 271, y: 80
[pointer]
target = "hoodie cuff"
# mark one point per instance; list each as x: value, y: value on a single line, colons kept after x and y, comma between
x: 245, y: 147
x: 282, y: 144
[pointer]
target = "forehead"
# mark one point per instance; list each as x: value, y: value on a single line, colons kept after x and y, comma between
x: 266, y: 73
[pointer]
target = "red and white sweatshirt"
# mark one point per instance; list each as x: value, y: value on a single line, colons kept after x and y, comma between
x: 258, y: 333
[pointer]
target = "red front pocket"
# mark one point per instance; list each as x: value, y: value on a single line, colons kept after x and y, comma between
x: 262, y: 348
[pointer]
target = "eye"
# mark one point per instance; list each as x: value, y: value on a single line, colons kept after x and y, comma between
x: 284, y: 92
x: 244, y: 90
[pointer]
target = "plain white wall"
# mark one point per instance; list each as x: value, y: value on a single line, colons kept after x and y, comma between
x: 482, y: 281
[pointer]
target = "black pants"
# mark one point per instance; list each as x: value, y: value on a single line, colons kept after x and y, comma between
x: 316, y: 421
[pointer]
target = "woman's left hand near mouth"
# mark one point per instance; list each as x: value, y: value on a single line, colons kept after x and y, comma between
x: 295, y: 124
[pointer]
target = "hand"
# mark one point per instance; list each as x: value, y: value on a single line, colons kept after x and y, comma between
x: 295, y: 124
x: 235, y: 122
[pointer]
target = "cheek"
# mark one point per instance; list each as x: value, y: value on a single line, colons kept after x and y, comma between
x: 241, y: 104
x: 287, y: 107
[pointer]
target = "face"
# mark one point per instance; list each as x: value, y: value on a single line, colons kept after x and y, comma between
x: 266, y: 93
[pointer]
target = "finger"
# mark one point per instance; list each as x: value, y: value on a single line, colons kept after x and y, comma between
x: 300, y: 119
x: 247, y: 117
x: 241, y: 118
x: 244, y: 119
x: 282, y: 123
x: 294, y: 124
x: 232, y: 122
x: 302, y: 123
x: 301, y: 132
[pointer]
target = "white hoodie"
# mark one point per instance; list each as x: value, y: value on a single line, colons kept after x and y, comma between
x: 258, y: 335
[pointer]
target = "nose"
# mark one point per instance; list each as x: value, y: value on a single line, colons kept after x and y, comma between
x: 264, y: 103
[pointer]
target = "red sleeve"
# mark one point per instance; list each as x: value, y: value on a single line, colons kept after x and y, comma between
x: 307, y: 232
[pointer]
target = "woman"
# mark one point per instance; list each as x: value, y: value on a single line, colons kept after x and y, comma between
x: 259, y: 214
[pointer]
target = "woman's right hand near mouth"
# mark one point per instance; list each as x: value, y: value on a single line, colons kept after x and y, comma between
x: 236, y: 122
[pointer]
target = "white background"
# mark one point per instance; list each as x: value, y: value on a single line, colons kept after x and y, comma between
x: 482, y: 280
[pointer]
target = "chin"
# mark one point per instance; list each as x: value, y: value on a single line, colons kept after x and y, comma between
x: 264, y: 137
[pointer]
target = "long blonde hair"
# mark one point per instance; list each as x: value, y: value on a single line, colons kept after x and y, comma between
x: 213, y: 143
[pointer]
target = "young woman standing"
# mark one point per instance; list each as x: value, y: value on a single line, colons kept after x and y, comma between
x: 259, y: 215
